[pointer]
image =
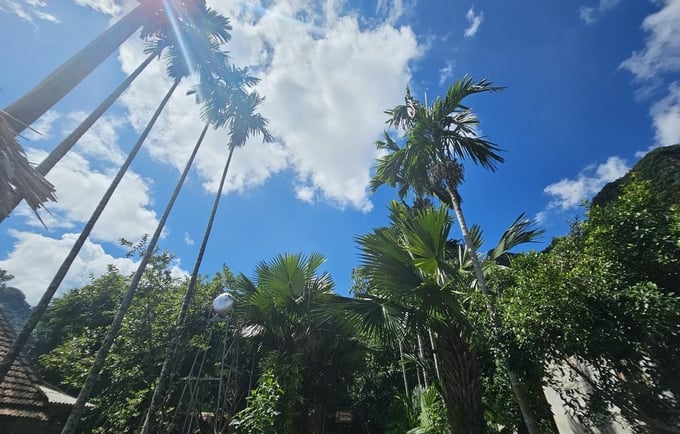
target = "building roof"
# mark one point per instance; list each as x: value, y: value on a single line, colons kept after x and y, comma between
x: 20, y: 394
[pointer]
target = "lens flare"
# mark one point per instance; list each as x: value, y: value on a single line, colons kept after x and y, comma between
x: 184, y: 49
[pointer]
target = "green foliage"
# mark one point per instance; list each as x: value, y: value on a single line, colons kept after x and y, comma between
x: 294, y: 326
x: 600, y: 303
x: 4, y: 277
x: 660, y: 166
x: 260, y: 416
x: 432, y: 417
x: 13, y: 302
x: 638, y: 234
x: 73, y: 327
x: 413, y: 280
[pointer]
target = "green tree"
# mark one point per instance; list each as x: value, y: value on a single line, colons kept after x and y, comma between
x: 290, y: 315
x: 597, y: 304
x: 438, y: 138
x: 417, y: 278
x: 260, y: 415
x: 68, y: 338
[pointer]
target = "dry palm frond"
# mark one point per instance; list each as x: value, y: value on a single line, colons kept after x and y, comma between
x: 18, y: 177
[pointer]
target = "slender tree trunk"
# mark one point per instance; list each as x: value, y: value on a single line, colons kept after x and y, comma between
x: 40, y: 308
x: 421, y: 354
x: 70, y: 140
x: 434, y: 354
x: 61, y: 81
x: 173, y: 344
x: 403, y: 369
x: 84, y: 395
x: 517, y: 387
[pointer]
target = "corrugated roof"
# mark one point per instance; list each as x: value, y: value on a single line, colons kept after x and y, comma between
x: 58, y: 397
x: 20, y: 395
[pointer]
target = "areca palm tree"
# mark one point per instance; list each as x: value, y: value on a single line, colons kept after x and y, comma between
x: 159, y: 21
x: 418, y: 278
x: 438, y: 138
x: 206, y: 46
x: 205, y: 49
x: 227, y: 102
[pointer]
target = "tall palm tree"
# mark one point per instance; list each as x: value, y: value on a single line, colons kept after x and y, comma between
x: 227, y: 103
x: 206, y: 47
x: 159, y: 20
x: 439, y: 137
x: 416, y: 275
x: 205, y: 50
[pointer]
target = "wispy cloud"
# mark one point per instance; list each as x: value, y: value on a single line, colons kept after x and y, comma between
x: 661, y: 53
x: 42, y: 129
x: 393, y: 10
x: 666, y: 117
x: 446, y: 73
x: 591, y: 14
x: 474, y: 20
x: 28, y: 10
x: 188, y: 240
x: 657, y: 63
x: 569, y: 193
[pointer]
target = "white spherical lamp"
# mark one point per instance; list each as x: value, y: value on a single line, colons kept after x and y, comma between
x: 224, y: 304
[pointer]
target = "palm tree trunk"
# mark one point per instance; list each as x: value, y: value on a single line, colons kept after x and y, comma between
x: 186, y: 302
x: 70, y: 140
x: 517, y: 388
x: 462, y: 381
x: 61, y: 81
x: 112, y: 333
x: 40, y: 308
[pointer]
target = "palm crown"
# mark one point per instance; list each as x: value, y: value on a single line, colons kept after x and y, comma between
x: 438, y: 136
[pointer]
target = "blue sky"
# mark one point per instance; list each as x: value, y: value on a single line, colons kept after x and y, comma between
x: 591, y: 86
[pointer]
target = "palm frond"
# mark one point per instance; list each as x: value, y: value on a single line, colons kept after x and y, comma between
x: 477, y: 149
x: 521, y: 231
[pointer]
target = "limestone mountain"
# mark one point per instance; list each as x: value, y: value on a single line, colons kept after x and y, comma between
x: 661, y: 166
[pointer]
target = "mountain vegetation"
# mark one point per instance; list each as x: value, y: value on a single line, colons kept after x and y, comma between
x: 13, y: 302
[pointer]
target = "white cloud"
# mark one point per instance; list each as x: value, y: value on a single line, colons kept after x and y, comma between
x: 35, y: 259
x: 326, y: 80
x: 28, y: 10
x: 43, y: 127
x: 446, y: 73
x: 569, y: 193
x: 101, y: 140
x: 108, y: 7
x: 188, y: 240
x: 393, y: 10
x: 662, y: 48
x: 666, y: 117
x: 79, y: 189
x: 475, y: 21
x: 541, y: 217
x: 590, y: 14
